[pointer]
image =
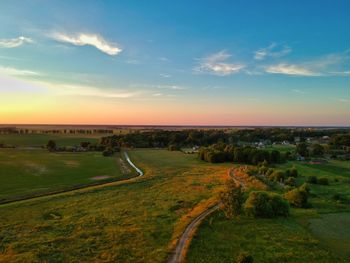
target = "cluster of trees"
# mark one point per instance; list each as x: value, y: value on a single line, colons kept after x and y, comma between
x: 314, y: 180
x: 257, y: 204
x: 313, y: 150
x: 340, y: 140
x: 106, y: 150
x: 221, y: 152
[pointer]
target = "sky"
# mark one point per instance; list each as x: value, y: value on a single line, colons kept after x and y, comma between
x: 239, y: 62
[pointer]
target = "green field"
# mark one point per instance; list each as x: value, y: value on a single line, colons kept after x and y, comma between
x: 317, y: 234
x: 131, y: 222
x: 39, y: 140
x: 35, y: 171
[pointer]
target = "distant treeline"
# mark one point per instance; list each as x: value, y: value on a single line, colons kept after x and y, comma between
x: 219, y: 153
x: 163, y: 138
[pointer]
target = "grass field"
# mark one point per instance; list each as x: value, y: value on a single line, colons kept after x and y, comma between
x: 38, y: 140
x: 29, y: 172
x: 317, y: 234
x: 133, y: 222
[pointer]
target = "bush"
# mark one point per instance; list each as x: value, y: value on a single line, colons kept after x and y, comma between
x: 312, y: 179
x: 232, y: 199
x: 323, y: 181
x: 173, y: 147
x: 276, y: 176
x: 244, y: 257
x: 279, y: 206
x: 297, y: 198
x: 265, y: 204
x: 290, y: 181
x: 107, y: 152
x: 293, y: 172
x: 305, y: 187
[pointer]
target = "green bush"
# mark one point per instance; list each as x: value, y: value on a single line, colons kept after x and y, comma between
x: 293, y: 172
x: 280, y: 207
x: 305, y: 187
x: 323, y: 181
x: 290, y: 181
x: 312, y: 179
x: 265, y: 204
x: 276, y: 176
x: 244, y: 257
x: 297, y: 198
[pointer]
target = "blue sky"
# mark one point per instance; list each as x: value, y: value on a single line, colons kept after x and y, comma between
x: 175, y: 62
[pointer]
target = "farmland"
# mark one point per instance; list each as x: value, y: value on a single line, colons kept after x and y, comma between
x: 138, y: 221
x: 36, y: 171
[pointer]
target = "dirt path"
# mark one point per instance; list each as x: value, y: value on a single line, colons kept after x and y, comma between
x: 185, y: 239
x: 184, y: 242
x: 76, y: 189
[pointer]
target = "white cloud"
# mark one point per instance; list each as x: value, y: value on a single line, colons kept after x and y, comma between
x: 290, y: 69
x: 94, y: 40
x: 298, y: 91
x: 216, y: 64
x: 273, y: 50
x: 78, y: 90
x: 15, y: 42
x: 163, y: 75
x: 8, y: 71
x: 328, y: 65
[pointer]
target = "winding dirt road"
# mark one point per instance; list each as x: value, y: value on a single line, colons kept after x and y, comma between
x: 181, y: 248
x: 180, y: 251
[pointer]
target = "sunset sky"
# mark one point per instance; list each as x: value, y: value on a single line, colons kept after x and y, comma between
x: 175, y: 62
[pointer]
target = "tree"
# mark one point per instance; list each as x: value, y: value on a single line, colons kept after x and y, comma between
x: 302, y: 149
x: 317, y: 150
x: 51, y: 145
x: 232, y: 199
x: 266, y: 205
x: 297, y: 197
x: 312, y: 179
x: 323, y: 181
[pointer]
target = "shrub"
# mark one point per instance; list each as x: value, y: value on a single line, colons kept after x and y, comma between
x: 280, y: 207
x: 297, y: 197
x: 293, y: 172
x: 173, y: 147
x: 265, y: 204
x: 290, y: 181
x: 305, y: 187
x: 232, y: 199
x: 107, y: 152
x: 244, y: 257
x: 276, y: 176
x: 312, y: 179
x: 323, y: 181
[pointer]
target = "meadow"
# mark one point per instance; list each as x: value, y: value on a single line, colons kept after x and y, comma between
x: 136, y: 221
x: 29, y: 172
x: 316, y: 234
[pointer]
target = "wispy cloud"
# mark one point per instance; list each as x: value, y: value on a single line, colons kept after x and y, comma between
x: 81, y: 39
x: 273, y: 50
x: 8, y: 71
x: 329, y: 65
x: 298, y: 91
x: 163, y: 75
x: 15, y: 42
x: 290, y: 69
x: 217, y: 64
x: 159, y: 86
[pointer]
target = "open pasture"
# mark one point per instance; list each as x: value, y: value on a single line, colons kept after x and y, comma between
x: 35, y: 171
x: 137, y: 221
